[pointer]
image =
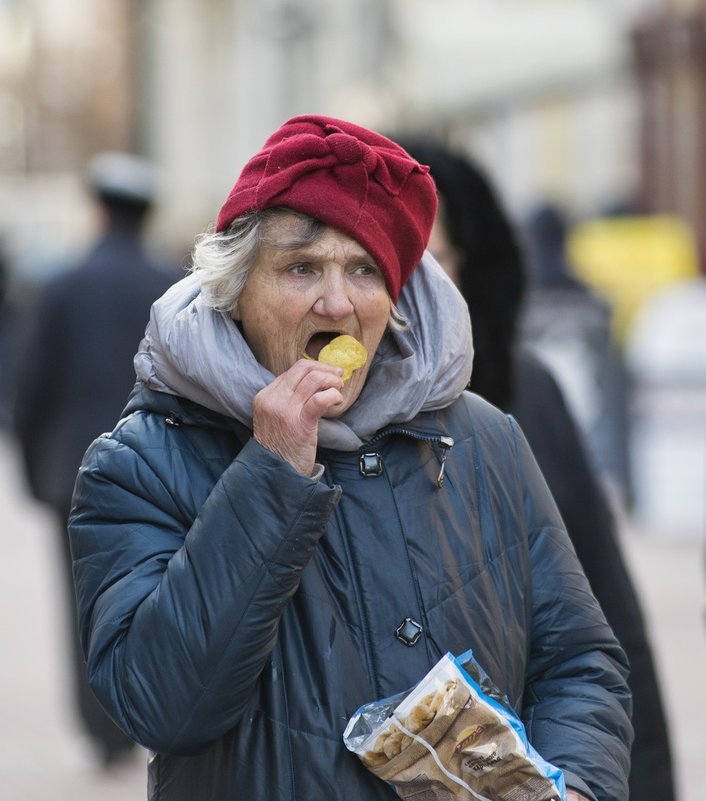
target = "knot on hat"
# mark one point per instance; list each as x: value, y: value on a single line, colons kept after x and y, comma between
x: 390, y: 172
x: 296, y: 156
x: 350, y: 178
x: 349, y: 150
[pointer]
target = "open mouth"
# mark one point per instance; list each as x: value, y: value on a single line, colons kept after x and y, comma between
x: 318, y: 341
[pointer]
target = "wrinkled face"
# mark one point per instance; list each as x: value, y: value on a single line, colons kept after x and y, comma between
x: 300, y: 295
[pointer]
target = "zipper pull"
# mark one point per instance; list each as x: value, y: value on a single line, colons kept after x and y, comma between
x: 446, y: 443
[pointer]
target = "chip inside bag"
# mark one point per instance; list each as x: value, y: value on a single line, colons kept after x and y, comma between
x: 453, y: 736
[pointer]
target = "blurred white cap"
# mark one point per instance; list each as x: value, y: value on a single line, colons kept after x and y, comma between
x: 123, y: 175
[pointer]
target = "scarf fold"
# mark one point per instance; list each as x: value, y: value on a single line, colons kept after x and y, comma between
x: 188, y: 347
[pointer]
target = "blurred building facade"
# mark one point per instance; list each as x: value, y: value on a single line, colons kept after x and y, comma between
x: 670, y: 60
x: 586, y: 102
x: 543, y: 93
x: 68, y: 87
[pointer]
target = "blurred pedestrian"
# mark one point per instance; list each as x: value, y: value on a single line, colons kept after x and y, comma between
x: 261, y: 547
x: 570, y: 325
x: 475, y: 240
x: 5, y: 338
x: 75, y: 368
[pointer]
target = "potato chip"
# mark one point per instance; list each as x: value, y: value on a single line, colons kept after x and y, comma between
x: 344, y: 351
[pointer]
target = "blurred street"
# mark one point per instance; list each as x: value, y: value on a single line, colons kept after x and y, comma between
x: 42, y: 751
x: 43, y: 755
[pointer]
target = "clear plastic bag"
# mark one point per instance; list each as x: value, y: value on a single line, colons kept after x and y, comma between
x: 453, y: 736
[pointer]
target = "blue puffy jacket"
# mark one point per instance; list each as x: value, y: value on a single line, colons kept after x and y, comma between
x: 235, y: 614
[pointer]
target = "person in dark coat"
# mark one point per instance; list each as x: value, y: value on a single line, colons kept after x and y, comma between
x: 476, y: 242
x: 74, y: 367
x: 260, y: 546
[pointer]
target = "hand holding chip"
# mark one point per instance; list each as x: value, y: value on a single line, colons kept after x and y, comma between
x: 286, y: 413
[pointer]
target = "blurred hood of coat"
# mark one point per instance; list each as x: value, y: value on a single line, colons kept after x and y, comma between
x: 187, y: 347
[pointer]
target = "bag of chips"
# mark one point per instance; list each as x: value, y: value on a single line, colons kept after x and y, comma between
x: 453, y: 736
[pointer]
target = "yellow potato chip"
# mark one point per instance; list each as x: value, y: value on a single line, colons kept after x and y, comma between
x: 344, y: 351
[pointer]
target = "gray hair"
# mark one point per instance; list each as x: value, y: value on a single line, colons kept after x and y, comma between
x: 223, y: 260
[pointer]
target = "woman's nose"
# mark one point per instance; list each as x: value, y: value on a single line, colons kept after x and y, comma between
x: 334, y: 301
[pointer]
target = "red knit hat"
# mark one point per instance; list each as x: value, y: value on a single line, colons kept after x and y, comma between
x: 348, y: 177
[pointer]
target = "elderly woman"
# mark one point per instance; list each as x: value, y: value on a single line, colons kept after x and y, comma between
x: 261, y: 547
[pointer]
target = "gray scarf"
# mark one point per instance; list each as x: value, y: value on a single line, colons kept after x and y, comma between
x: 197, y: 353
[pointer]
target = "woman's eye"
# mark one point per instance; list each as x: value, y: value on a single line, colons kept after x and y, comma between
x: 367, y: 269
x: 300, y: 269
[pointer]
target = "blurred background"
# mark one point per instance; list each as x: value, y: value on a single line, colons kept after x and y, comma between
x: 592, y: 109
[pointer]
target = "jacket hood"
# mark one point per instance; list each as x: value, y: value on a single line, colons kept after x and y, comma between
x: 422, y: 368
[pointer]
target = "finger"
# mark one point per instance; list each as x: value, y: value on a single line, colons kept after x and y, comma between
x: 315, y: 380
x: 319, y: 404
x: 287, y: 395
x: 307, y: 367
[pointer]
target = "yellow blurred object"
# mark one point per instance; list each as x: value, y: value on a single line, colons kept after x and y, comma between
x: 344, y: 351
x: 627, y: 258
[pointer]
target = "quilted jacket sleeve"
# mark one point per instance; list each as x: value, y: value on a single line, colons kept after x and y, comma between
x: 577, y: 704
x: 178, y: 618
